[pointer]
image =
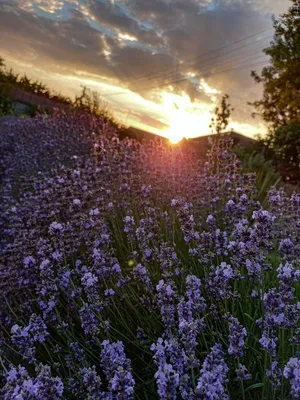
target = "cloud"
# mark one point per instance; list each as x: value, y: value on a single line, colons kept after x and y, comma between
x: 70, y: 44
x: 146, y: 44
x: 112, y: 15
x: 50, y: 6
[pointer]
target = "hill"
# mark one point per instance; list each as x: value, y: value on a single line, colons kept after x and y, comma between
x: 200, y: 141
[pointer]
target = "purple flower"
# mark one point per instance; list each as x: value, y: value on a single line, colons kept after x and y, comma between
x: 211, y: 384
x: 274, y: 309
x: 141, y: 274
x: 189, y: 327
x: 253, y: 269
x: 89, y: 280
x: 55, y: 227
x: 193, y: 293
x: 19, y: 385
x: 242, y: 373
x: 218, y: 281
x: 29, y: 261
x: 236, y: 338
x: 263, y: 216
x: 37, y: 329
x: 292, y: 373
x: 89, y: 321
x: 26, y: 338
x: 167, y: 382
x: 171, y: 366
x: 117, y: 369
x: 168, y: 260
x: 287, y: 275
x: 296, y: 337
x: 263, y: 222
x: 78, y: 352
x: 286, y: 247
x: 211, y: 221
x: 129, y: 224
x: 275, y: 374
x: 93, y: 383
x: 165, y: 300
x: 109, y: 292
x: 230, y: 206
x: 268, y: 341
x: 94, y: 212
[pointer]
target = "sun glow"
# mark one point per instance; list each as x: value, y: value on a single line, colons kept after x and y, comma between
x: 175, y: 136
x: 186, y: 119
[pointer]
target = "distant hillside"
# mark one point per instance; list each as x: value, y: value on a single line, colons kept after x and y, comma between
x: 238, y: 138
x: 139, y: 134
x: 202, y: 141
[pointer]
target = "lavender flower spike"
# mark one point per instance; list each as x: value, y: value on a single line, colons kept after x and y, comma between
x: 292, y: 373
x: 117, y: 369
x: 211, y: 384
x: 236, y: 338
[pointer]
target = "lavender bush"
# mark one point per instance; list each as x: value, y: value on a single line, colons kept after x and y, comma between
x: 138, y: 271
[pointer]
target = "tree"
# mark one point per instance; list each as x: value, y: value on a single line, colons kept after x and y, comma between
x: 284, y: 144
x: 2, y: 68
x: 280, y: 104
x: 219, y: 121
x: 6, y: 105
x: 90, y: 101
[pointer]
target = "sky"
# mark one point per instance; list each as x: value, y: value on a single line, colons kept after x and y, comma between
x: 159, y: 65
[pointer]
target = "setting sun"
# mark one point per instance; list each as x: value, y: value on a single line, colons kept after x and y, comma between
x: 186, y: 119
x: 175, y: 134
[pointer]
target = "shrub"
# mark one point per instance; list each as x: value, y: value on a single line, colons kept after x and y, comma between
x: 136, y: 271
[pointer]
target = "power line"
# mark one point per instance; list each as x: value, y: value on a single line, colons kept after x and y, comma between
x: 205, y: 61
x: 241, y: 69
x: 218, y: 72
x: 207, y: 75
x: 167, y: 70
x: 225, y: 54
x: 223, y: 63
x: 177, y: 80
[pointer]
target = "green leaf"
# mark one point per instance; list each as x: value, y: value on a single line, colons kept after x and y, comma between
x: 255, y: 386
x: 249, y: 316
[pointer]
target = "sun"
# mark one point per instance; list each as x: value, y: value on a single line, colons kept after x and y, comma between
x: 178, y: 128
x: 175, y: 136
x: 183, y: 123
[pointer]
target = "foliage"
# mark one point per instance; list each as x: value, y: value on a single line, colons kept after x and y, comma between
x: 280, y: 104
x: 219, y: 121
x: 32, y: 110
x: 135, y: 271
x: 284, y: 144
x: 88, y: 101
x: 266, y: 175
x: 6, y: 106
x: 91, y: 101
x: 9, y: 77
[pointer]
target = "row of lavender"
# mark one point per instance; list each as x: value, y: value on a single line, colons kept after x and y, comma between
x: 138, y: 271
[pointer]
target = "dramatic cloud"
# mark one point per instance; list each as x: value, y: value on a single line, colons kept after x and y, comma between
x: 192, y: 49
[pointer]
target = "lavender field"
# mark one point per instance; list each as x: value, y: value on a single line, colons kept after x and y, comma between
x: 138, y: 271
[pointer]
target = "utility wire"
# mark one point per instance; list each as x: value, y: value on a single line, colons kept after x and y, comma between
x: 237, y: 58
x: 204, y: 76
x: 208, y: 67
x: 217, y: 72
x: 192, y: 60
x: 170, y: 82
x: 221, y: 55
